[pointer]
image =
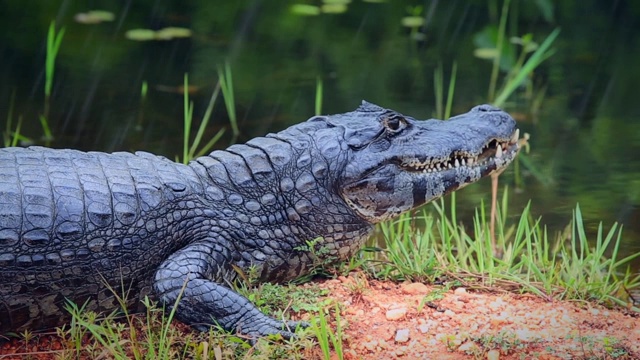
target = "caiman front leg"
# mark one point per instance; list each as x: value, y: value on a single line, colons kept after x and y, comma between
x: 205, y: 302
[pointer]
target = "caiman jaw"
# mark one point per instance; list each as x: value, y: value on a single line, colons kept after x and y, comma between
x: 493, y: 149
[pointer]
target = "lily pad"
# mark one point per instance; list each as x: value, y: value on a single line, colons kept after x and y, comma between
x: 94, y: 17
x: 412, y: 21
x: 305, y: 10
x: 334, y: 8
x: 172, y: 32
x: 162, y: 34
x: 140, y: 34
x: 485, y: 53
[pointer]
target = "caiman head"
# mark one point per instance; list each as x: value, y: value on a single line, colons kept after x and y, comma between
x: 393, y: 163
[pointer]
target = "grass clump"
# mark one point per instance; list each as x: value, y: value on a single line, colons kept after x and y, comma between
x: 569, y: 266
x: 11, y: 136
x: 191, y: 147
x: 326, y: 336
x: 54, y: 40
x: 226, y: 84
x: 153, y: 336
x: 125, y: 336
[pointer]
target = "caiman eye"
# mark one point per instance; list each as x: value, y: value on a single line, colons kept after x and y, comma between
x: 395, y: 123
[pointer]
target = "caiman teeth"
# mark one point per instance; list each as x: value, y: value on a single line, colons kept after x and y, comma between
x: 515, y: 137
x: 492, y: 149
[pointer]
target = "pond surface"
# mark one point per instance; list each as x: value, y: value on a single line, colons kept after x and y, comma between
x: 580, y: 107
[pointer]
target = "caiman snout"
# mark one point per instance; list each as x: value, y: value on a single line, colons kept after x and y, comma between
x: 490, y: 115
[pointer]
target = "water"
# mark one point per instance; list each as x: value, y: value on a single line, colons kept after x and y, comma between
x: 581, y: 107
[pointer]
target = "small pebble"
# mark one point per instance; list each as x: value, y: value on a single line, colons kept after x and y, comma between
x: 524, y: 335
x: 370, y: 345
x: 493, y: 355
x: 424, y: 328
x: 497, y: 304
x: 396, y: 314
x: 449, y: 313
x: 460, y: 291
x: 415, y: 289
x: 468, y: 346
x: 402, y: 335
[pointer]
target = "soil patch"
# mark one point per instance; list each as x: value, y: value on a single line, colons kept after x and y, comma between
x: 386, y: 320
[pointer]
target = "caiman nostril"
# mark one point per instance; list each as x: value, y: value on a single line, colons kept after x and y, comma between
x: 485, y: 108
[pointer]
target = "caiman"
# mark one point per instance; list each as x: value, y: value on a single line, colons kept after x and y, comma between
x: 87, y: 226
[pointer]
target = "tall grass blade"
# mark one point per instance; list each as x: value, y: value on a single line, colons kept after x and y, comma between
x: 452, y: 87
x: 438, y: 90
x: 144, y: 90
x: 7, y: 137
x: 48, y: 135
x: 188, y: 119
x: 209, y: 145
x: 203, y: 126
x: 321, y: 330
x: 336, y: 338
x: 16, y: 136
x: 226, y: 85
x: 533, y: 62
x: 319, y: 91
x: 443, y: 110
x: 500, y: 41
x: 53, y: 45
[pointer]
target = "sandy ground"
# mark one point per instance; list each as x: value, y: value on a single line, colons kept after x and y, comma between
x: 386, y: 321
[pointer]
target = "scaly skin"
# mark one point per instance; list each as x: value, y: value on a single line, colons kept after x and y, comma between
x: 81, y: 226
